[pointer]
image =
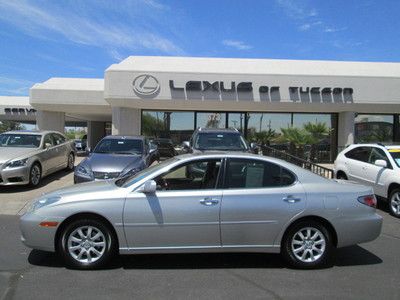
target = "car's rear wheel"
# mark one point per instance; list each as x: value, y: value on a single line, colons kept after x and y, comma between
x: 341, y: 175
x: 307, y: 245
x: 35, y: 175
x: 394, y: 203
x: 70, y: 162
x: 87, y: 244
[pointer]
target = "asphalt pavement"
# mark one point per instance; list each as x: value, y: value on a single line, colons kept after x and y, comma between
x: 367, y: 271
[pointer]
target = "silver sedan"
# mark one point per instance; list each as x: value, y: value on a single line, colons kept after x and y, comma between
x: 27, y: 156
x: 221, y: 202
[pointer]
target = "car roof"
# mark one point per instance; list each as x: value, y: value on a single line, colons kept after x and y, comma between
x: 233, y: 130
x: 126, y: 137
x: 41, y: 132
x: 375, y: 145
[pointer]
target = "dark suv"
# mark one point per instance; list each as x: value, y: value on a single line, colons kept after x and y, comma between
x: 217, y: 139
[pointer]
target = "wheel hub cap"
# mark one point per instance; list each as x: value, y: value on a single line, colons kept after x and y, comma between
x: 308, y: 244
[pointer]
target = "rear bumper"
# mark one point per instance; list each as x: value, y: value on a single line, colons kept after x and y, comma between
x: 353, y: 230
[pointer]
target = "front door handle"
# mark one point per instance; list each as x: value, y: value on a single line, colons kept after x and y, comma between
x: 291, y: 199
x: 209, y: 201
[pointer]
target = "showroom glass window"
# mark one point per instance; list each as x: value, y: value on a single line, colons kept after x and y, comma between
x: 211, y: 119
x: 265, y: 128
x: 373, y: 128
x: 175, y: 125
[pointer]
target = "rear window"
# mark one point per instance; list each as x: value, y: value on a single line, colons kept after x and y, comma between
x: 224, y: 141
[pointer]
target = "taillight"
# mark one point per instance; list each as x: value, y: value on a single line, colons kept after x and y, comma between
x: 369, y: 200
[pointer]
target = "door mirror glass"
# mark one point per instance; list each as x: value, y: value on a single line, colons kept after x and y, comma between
x: 381, y: 163
x: 149, y: 187
x: 186, y: 145
x: 153, y: 148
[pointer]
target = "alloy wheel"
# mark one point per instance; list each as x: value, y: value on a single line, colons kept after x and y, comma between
x: 308, y: 244
x: 395, y: 203
x: 35, y: 175
x: 86, y: 244
x: 71, y: 161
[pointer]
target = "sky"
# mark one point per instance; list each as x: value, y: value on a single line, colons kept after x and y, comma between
x: 72, y: 38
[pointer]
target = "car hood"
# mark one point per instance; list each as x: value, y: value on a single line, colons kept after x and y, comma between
x: 97, y: 187
x: 100, y: 162
x: 7, y: 153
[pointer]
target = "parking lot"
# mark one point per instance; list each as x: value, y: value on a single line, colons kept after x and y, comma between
x: 366, y: 271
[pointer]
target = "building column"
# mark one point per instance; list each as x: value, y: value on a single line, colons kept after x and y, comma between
x: 125, y: 121
x: 50, y: 120
x: 346, y: 129
x: 95, y: 132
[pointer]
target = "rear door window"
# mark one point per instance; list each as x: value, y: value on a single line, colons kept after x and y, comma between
x: 248, y: 173
x: 359, y: 153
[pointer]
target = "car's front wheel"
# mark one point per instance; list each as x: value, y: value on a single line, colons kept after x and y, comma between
x: 87, y: 244
x: 35, y: 175
x: 394, y: 203
x: 307, y: 245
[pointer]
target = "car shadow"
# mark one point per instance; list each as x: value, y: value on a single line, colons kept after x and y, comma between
x: 45, y: 181
x: 348, y: 256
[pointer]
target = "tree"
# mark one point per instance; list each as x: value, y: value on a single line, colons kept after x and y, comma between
x: 297, y: 138
x: 318, y: 132
x: 10, y: 125
x: 151, y: 126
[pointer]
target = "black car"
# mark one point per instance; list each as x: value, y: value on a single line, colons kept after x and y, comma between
x: 165, y: 147
x: 217, y: 139
x: 116, y: 156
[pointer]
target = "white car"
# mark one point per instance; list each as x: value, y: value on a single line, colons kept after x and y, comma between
x: 375, y: 165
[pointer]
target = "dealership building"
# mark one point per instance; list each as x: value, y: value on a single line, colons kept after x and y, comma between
x: 171, y: 96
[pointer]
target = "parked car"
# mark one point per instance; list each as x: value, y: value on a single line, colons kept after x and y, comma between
x: 217, y: 139
x: 28, y: 156
x: 81, y: 144
x: 116, y: 156
x: 238, y: 202
x: 165, y: 147
x: 374, y: 165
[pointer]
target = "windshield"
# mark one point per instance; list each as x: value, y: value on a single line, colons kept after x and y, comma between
x: 20, y: 140
x: 129, y: 180
x: 120, y: 146
x: 220, y: 141
x: 395, y: 153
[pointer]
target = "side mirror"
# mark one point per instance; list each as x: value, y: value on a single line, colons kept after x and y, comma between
x: 47, y: 145
x: 153, y: 148
x: 186, y: 145
x: 381, y: 163
x: 254, y: 147
x: 149, y: 187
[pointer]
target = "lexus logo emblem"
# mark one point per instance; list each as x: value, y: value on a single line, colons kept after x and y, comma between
x: 146, y: 85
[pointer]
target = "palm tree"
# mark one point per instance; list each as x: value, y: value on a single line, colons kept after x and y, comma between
x: 318, y: 132
x: 297, y: 138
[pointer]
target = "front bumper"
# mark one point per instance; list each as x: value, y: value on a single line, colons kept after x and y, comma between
x: 14, y: 176
x: 35, y: 236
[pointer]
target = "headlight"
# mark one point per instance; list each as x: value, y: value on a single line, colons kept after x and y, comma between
x: 36, y: 204
x: 129, y: 172
x: 84, y: 171
x: 17, y: 163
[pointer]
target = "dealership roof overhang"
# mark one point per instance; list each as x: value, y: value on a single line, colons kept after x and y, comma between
x: 82, y: 98
x: 189, y: 83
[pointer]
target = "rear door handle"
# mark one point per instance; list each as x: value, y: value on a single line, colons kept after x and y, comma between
x: 291, y: 199
x: 208, y: 201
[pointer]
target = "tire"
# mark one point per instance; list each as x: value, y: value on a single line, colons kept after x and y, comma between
x: 79, y: 252
x: 35, y: 175
x: 394, y: 203
x: 341, y: 175
x: 304, y: 253
x: 70, y: 162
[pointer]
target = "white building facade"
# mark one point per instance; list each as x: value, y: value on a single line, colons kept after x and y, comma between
x: 171, y: 96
